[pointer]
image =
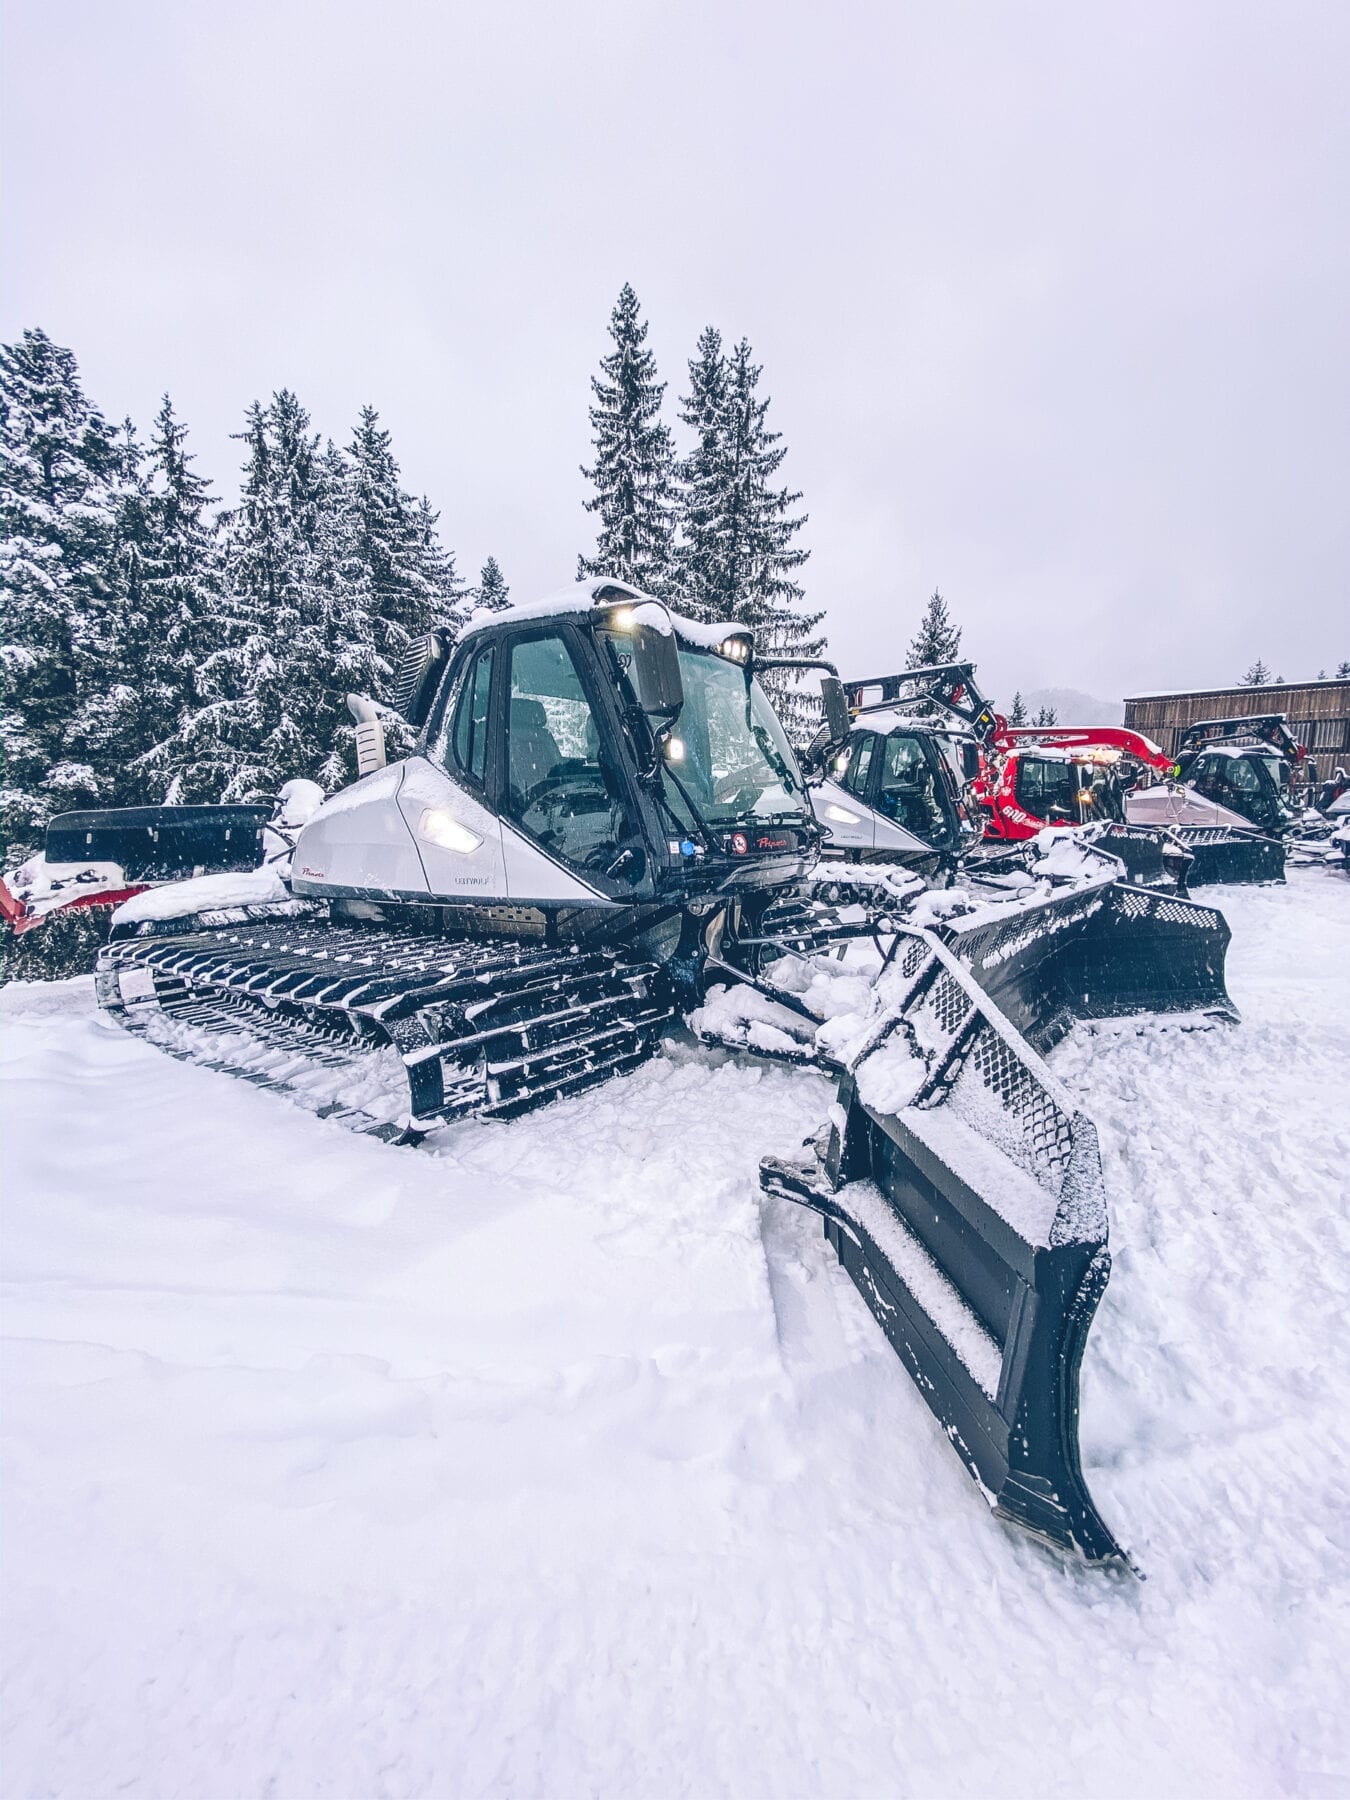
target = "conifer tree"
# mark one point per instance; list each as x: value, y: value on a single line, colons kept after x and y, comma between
x: 1258, y: 675
x: 492, y: 593
x: 1018, y: 713
x: 411, y: 579
x: 703, y: 579
x: 762, y: 559
x: 58, y: 463
x: 181, y: 623
x: 1046, y: 716
x: 1342, y: 670
x: 632, y: 471
x: 937, y: 639
x: 112, y: 650
x: 253, y: 727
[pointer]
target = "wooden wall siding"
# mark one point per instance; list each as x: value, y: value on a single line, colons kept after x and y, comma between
x: 1319, y: 712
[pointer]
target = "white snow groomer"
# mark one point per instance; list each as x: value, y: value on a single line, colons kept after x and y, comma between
x: 602, y: 829
x: 928, y: 777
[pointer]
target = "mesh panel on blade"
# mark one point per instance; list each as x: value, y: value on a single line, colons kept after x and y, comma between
x: 1037, y: 1133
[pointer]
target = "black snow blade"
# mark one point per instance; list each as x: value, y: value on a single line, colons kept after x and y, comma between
x: 161, y: 843
x: 962, y: 1192
x: 1152, y: 856
x: 1096, y: 952
x: 1223, y: 853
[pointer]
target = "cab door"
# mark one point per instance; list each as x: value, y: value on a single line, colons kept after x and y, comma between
x: 570, y: 823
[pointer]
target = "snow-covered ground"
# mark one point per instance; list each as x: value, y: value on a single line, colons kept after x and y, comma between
x: 547, y: 1460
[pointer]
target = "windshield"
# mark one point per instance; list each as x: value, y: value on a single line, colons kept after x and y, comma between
x: 728, y: 760
x: 737, y: 764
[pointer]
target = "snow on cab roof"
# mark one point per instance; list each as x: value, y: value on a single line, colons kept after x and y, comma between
x: 580, y: 597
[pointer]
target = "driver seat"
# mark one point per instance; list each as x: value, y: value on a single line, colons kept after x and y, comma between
x: 533, y: 752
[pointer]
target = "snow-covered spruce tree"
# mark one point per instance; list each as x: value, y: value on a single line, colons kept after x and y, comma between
x: 1342, y: 670
x: 1258, y: 675
x: 703, y: 487
x: 58, y: 474
x: 181, y: 619
x: 758, y: 527
x: 1046, y: 716
x: 111, y: 726
x: 937, y: 639
x: 632, y: 472
x: 411, y: 578
x: 1018, y: 712
x: 262, y: 710
x: 492, y: 593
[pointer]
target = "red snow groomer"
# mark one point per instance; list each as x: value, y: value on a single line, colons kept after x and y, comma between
x: 1034, y: 776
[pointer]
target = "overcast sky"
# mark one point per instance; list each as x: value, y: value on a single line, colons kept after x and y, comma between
x: 1053, y: 300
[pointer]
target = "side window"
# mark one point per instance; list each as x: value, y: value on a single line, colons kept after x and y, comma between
x: 562, y: 786
x: 1243, y: 776
x: 855, y: 776
x: 1203, y: 775
x: 1047, y: 790
x: 468, y: 737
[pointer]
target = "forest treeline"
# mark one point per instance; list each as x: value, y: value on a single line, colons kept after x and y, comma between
x: 160, y: 645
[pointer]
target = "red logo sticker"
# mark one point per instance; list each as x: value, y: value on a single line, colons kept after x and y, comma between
x: 739, y: 843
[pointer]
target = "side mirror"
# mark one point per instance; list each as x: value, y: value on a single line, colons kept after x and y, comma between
x: 838, y: 723
x: 656, y: 673
x: 970, y: 760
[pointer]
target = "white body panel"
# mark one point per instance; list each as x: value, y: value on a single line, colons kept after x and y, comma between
x: 367, y: 840
x: 469, y: 874
x: 358, y: 841
x: 533, y: 875
x: 376, y: 840
x: 851, y: 825
x: 1167, y: 804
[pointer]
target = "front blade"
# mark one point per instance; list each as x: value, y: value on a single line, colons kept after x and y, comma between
x: 1094, y: 952
x: 963, y: 1194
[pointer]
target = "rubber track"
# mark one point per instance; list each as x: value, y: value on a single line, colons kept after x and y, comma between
x: 482, y: 1029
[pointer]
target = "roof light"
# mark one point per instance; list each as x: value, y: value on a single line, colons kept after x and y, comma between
x: 446, y: 832
x: 674, y: 749
x: 621, y: 619
x: 737, y: 647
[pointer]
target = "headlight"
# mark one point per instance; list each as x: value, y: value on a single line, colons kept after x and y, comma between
x: 446, y: 832
x: 621, y: 618
x: 674, y: 749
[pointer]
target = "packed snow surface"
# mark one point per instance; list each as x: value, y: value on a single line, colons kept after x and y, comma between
x: 549, y: 1460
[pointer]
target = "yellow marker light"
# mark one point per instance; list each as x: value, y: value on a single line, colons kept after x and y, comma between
x: 674, y: 749
x: 446, y: 832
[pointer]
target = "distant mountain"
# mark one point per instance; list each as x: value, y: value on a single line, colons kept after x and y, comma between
x: 1074, y: 707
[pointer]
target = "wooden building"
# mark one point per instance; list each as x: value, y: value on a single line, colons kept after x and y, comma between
x: 1318, y: 713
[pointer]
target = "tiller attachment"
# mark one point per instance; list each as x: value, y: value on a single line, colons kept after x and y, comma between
x: 963, y: 1194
